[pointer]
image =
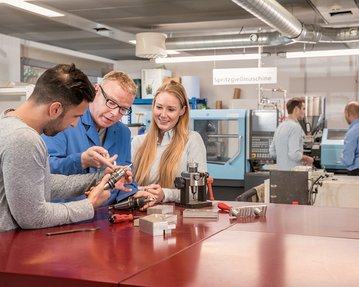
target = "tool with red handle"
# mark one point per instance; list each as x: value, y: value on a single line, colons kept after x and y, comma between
x: 209, y: 186
x: 224, y: 207
x: 118, y: 218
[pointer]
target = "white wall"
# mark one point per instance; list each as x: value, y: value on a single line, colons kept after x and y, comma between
x: 336, y: 78
x: 9, y: 59
x: 12, y: 50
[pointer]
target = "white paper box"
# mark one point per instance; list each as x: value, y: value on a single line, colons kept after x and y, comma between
x: 151, y: 80
x: 192, y: 86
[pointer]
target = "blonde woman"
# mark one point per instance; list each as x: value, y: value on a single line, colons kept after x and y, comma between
x: 162, y: 154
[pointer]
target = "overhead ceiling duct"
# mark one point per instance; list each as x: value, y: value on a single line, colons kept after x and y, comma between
x: 226, y: 41
x: 277, y: 17
x: 339, y: 35
x: 289, y: 28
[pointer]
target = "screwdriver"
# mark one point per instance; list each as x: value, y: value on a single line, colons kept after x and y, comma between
x: 118, y: 218
x: 223, y: 206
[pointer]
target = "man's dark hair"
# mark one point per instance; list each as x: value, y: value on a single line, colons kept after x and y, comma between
x: 65, y: 84
x: 294, y: 102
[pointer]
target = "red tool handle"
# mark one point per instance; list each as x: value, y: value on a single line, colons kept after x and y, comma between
x: 223, y: 206
x: 118, y: 218
x: 209, y: 185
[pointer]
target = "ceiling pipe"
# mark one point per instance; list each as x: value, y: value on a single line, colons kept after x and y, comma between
x: 288, y: 30
x: 226, y: 41
x: 274, y: 15
x: 280, y: 19
x: 339, y: 35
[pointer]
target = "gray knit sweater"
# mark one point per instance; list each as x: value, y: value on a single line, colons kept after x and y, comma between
x: 27, y: 186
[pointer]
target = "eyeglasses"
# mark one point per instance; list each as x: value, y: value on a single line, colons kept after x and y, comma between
x: 112, y: 105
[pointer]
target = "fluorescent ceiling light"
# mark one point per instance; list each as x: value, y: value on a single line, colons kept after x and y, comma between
x: 32, y: 8
x: 232, y: 57
x: 323, y: 53
x: 172, y: 52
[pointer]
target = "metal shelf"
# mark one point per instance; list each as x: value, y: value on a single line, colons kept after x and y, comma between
x: 193, y: 102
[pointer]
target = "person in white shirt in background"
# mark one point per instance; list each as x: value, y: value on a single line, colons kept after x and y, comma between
x: 163, y: 153
x: 287, y: 144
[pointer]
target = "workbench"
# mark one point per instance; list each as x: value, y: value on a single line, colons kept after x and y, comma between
x: 339, y: 191
x: 292, y: 245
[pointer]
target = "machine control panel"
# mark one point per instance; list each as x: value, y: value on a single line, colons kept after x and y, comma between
x: 262, y: 125
x: 259, y: 146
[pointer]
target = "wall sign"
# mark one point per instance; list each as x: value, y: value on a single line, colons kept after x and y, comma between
x: 244, y: 76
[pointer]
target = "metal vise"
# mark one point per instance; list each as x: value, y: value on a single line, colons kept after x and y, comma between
x: 193, y: 186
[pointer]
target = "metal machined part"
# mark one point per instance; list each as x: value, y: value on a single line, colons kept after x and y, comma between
x: 248, y: 211
x: 115, y: 177
x: 158, y: 224
x: 132, y: 203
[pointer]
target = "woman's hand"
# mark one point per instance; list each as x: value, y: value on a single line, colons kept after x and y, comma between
x: 156, y: 190
x: 147, y: 195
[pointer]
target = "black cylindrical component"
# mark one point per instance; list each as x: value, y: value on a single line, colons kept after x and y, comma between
x: 132, y: 203
x: 115, y: 177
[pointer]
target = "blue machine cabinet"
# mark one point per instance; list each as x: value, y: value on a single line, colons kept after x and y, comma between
x: 331, y: 148
x: 223, y: 132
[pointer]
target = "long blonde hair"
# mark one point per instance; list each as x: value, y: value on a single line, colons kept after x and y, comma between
x: 171, y: 156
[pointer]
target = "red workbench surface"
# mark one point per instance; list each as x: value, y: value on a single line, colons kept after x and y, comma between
x: 291, y: 246
x: 96, y: 258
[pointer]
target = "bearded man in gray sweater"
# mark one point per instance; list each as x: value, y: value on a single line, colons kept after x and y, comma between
x: 61, y: 95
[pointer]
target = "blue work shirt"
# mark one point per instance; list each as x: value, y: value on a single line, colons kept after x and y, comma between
x: 66, y: 147
x: 350, y: 155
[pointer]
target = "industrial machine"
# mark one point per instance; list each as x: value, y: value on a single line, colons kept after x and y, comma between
x: 331, y: 148
x: 313, y: 125
x: 261, y: 125
x: 193, y: 186
x: 314, y: 119
x: 223, y: 133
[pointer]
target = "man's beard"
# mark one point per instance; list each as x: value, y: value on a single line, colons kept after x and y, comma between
x: 53, y: 127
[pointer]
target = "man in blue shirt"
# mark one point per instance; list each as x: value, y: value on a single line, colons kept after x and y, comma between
x: 350, y: 156
x: 98, y: 134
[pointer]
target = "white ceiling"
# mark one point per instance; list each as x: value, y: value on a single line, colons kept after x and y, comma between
x: 82, y: 28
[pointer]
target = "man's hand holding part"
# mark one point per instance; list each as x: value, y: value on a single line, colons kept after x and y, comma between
x: 117, y: 180
x: 97, y: 157
x: 307, y: 160
x: 97, y: 194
